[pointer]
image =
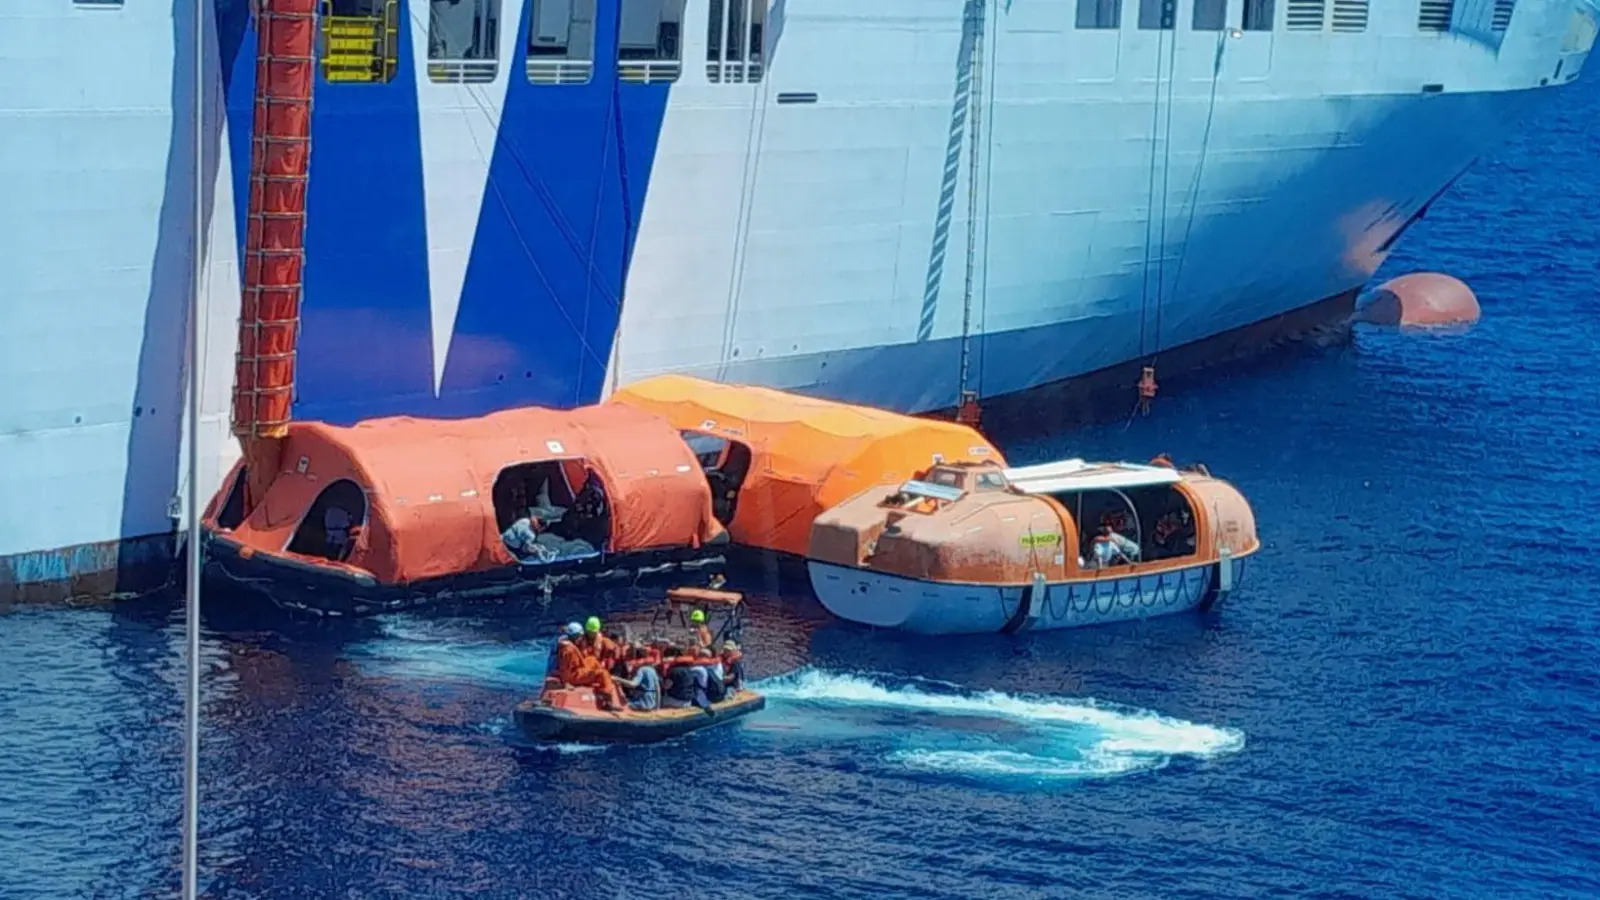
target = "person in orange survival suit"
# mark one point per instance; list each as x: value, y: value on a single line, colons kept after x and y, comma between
x: 602, y: 649
x: 576, y: 668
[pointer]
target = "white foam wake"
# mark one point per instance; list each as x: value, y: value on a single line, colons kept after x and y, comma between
x: 1063, y: 738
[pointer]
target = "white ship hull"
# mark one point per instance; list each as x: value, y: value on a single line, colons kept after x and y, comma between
x: 495, y: 243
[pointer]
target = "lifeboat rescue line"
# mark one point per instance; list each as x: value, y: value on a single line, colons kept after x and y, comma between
x: 398, y: 512
x: 777, y: 460
x: 965, y: 549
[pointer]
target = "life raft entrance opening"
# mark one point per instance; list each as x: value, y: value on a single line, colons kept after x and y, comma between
x: 725, y: 464
x: 232, y: 513
x: 568, y: 500
x: 328, y: 530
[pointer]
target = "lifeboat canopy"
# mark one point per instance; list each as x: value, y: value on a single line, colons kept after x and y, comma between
x: 408, y: 502
x: 777, y: 460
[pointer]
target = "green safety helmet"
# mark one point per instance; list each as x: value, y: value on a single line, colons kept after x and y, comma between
x: 592, y: 625
x: 697, y: 616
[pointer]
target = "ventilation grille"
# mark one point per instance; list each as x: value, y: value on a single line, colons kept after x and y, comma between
x: 1435, y: 15
x: 1305, y: 15
x: 1502, y: 14
x: 1349, y: 15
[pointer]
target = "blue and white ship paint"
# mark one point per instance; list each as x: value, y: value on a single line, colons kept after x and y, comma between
x: 528, y: 201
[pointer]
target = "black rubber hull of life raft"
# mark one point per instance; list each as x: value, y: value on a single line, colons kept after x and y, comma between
x: 545, y: 723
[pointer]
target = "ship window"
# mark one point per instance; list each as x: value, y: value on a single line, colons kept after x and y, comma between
x: 1350, y: 15
x: 725, y: 464
x: 1305, y: 15
x: 1157, y: 14
x: 1257, y: 15
x: 332, y: 524
x: 1500, y: 20
x: 1210, y: 15
x: 737, y: 57
x: 463, y: 41
x: 1435, y: 15
x: 560, y: 41
x: 1099, y: 14
x: 358, y: 41
x: 565, y: 505
x: 650, y: 41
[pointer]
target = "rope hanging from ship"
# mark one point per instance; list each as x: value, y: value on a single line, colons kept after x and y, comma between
x: 979, y: 145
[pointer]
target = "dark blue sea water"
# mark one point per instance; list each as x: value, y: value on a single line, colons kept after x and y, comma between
x: 1403, y: 702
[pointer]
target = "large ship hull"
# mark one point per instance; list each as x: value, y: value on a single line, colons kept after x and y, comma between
x: 497, y: 241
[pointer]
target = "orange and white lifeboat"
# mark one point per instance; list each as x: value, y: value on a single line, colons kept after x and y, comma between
x: 977, y: 548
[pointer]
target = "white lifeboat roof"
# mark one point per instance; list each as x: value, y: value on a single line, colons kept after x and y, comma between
x: 1077, y: 475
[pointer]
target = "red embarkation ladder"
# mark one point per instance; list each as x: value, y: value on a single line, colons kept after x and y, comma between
x: 274, y: 250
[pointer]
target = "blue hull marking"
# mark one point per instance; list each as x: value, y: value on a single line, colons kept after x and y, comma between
x: 539, y: 307
x: 567, y: 183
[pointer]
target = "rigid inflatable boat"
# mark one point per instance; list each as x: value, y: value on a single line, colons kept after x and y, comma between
x: 982, y: 548
x: 571, y: 715
x: 563, y: 713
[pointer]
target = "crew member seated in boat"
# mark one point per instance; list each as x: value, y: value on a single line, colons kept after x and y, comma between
x: 1173, y: 534
x: 716, y: 687
x: 702, y: 632
x: 586, y: 520
x: 685, y: 682
x: 336, y: 532
x: 600, y: 648
x: 575, y: 668
x: 643, y: 688
x: 571, y: 632
x: 522, y: 538
x: 1112, y: 549
x: 733, y: 665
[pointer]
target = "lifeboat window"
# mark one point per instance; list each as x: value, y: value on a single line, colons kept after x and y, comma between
x: 1210, y: 15
x: 232, y: 512
x: 991, y: 481
x: 560, y: 41
x: 358, y: 41
x: 1157, y: 518
x: 463, y: 41
x: 1257, y: 15
x: 734, y: 31
x: 650, y: 41
x: 1100, y: 14
x: 726, y: 464
x: 332, y: 524
x: 1157, y: 15
x: 552, y: 510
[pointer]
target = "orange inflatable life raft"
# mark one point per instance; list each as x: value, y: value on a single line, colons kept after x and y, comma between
x: 398, y: 512
x: 776, y: 460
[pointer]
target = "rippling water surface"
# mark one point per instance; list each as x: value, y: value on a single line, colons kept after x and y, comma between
x: 1403, y: 702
